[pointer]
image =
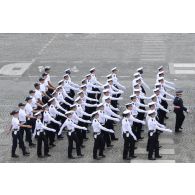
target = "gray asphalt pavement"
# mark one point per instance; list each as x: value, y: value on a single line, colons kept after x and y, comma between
x: 104, y: 51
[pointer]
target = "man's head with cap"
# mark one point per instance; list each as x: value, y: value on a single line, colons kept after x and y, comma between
x: 156, y: 91
x: 44, y: 75
x: 88, y: 76
x: 126, y: 113
x: 179, y: 92
x: 45, y: 107
x: 109, y: 76
x: 136, y: 75
x: 161, y: 79
x: 136, y: 91
x: 140, y: 70
x: 37, y: 86
x: 107, y: 99
x: 129, y: 106
x: 38, y: 115
x: 153, y: 98
x: 66, y: 76
x: 106, y: 92
x: 28, y: 99
x: 14, y: 113
x: 31, y: 92
x: 151, y: 113
x: 110, y: 81
x: 47, y: 69
x: 41, y: 80
x: 114, y: 70
x: 100, y: 106
x: 92, y: 70
x: 21, y: 105
x: 67, y: 71
x: 151, y: 105
x: 160, y: 68
x: 73, y: 107
x: 133, y: 98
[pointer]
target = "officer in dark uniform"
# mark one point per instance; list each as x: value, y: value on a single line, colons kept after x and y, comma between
x: 179, y: 109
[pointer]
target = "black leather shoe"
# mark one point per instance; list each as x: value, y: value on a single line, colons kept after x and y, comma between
x: 135, y: 148
x: 159, y: 147
x: 127, y: 158
x: 80, y: 155
x: 178, y: 131
x: 82, y: 146
x: 60, y: 138
x: 158, y: 156
x: 32, y: 145
x: 166, y: 117
x: 103, y: 156
x: 181, y: 127
x: 151, y: 159
x: 133, y: 156
x: 86, y: 138
x: 47, y: 155
x: 40, y: 156
x: 15, y: 156
x: 52, y: 145
x: 115, y: 139
x: 26, y: 154
x: 71, y: 157
x: 110, y: 146
x: 141, y: 138
x: 96, y: 158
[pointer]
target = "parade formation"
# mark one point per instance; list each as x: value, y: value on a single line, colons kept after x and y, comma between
x: 50, y: 112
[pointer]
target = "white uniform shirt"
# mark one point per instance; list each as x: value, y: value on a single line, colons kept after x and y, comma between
x: 15, y: 124
x: 29, y: 110
x: 22, y: 115
x: 97, y: 127
x: 38, y: 94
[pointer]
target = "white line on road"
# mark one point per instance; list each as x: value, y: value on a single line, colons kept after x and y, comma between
x: 163, y: 151
x: 182, y: 65
x: 184, y: 71
x: 154, y: 161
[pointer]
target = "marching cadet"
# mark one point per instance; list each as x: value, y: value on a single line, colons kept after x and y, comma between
x: 67, y: 98
x: 38, y: 94
x: 35, y: 105
x: 54, y: 114
x: 108, y: 111
x: 69, y: 87
x: 161, y: 112
x: 94, y: 81
x: 153, y: 126
x: 140, y: 71
x: 30, y: 118
x: 163, y: 93
x: 136, y: 113
x: 60, y: 98
x: 114, y: 92
x: 71, y: 134
x: 115, y: 79
x: 103, y: 117
x: 42, y: 138
x: 129, y: 107
x: 43, y: 90
x: 72, y: 84
x: 15, y: 128
x: 161, y: 74
x: 80, y: 122
x: 98, y: 137
x: 129, y: 137
x: 179, y: 110
x: 51, y: 87
x: 84, y: 115
x: 22, y: 118
x: 47, y: 121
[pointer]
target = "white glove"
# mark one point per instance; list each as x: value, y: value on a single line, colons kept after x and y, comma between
x: 84, y: 128
x: 111, y: 131
x: 143, y: 123
x: 88, y: 121
x: 59, y: 123
x: 117, y: 120
x: 33, y: 136
x: 135, y: 138
x: 169, y: 130
x: 120, y: 98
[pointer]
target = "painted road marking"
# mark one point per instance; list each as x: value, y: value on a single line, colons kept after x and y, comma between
x: 165, y: 141
x: 182, y: 68
x: 162, y: 151
x: 152, y: 161
x: 14, y: 69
